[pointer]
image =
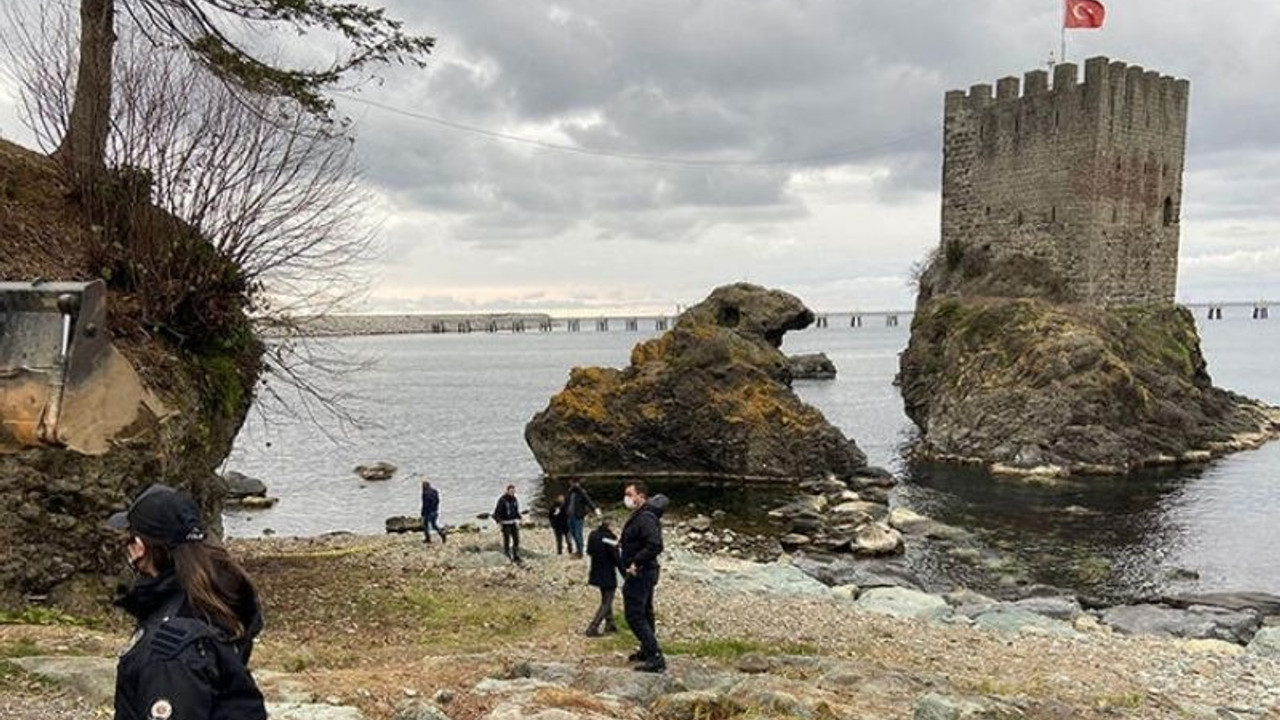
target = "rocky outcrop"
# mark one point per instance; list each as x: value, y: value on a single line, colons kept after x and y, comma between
x: 1031, y: 386
x: 710, y: 397
x: 812, y: 366
x: 54, y: 498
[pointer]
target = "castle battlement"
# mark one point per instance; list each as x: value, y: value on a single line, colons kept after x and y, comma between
x: 1084, y: 174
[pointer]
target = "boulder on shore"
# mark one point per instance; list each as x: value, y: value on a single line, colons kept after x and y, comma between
x: 712, y: 396
x: 1042, y: 385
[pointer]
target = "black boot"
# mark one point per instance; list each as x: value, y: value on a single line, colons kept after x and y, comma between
x: 654, y: 664
x: 442, y: 537
x: 637, y: 656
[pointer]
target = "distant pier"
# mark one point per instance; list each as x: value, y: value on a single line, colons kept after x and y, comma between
x: 440, y: 324
x: 1256, y: 310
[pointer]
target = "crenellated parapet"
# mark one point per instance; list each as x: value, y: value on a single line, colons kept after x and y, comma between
x: 1085, y: 174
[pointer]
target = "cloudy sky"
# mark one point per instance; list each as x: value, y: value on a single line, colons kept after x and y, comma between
x: 707, y: 97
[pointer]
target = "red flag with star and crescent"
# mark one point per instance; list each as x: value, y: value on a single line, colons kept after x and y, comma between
x: 1084, y: 14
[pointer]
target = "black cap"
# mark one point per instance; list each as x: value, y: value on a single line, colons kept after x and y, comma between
x: 163, y: 513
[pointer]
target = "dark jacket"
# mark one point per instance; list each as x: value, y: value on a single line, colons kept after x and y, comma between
x: 181, y: 665
x: 578, y: 502
x: 507, y: 511
x: 560, y: 518
x: 430, y: 502
x: 641, y: 541
x: 604, y: 559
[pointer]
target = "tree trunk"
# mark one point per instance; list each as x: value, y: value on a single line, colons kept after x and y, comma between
x: 83, y: 149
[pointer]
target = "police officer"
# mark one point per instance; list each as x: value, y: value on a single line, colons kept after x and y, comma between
x: 197, y: 615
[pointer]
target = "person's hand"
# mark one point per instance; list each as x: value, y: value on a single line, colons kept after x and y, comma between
x: 632, y: 570
x: 597, y: 512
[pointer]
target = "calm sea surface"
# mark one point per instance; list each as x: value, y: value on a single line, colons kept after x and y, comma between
x: 453, y: 408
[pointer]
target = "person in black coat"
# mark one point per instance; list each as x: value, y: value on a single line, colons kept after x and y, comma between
x: 559, y: 517
x: 602, y: 548
x: 197, y: 614
x: 639, y: 546
x: 507, y: 515
x: 430, y: 512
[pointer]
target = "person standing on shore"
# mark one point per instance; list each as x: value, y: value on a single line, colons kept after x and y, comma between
x: 602, y: 548
x: 507, y: 515
x: 640, y: 546
x: 430, y: 512
x: 578, y: 503
x: 197, y: 614
x: 559, y: 517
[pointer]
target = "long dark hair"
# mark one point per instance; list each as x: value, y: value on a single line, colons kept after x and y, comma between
x: 215, y: 584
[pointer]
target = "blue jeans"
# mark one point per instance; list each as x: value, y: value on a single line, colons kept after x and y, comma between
x: 575, y: 532
x: 429, y: 523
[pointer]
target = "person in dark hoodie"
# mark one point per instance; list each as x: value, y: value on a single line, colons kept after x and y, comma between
x: 602, y: 548
x: 430, y: 512
x: 639, y: 546
x: 507, y: 515
x: 559, y: 517
x: 197, y: 615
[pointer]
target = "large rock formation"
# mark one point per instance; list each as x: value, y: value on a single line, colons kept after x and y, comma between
x: 711, y: 396
x: 1004, y: 370
x: 179, y: 422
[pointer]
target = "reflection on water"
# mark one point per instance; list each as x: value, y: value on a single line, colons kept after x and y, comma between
x: 453, y: 408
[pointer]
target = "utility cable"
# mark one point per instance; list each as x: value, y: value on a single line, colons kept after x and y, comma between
x: 638, y: 157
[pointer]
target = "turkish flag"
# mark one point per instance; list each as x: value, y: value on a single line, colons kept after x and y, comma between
x: 1087, y: 14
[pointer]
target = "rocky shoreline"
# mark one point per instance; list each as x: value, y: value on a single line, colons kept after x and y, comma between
x: 744, y: 639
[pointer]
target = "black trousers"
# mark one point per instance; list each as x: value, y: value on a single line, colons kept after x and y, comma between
x: 511, y: 540
x: 562, y: 539
x: 605, y: 613
x: 637, y: 605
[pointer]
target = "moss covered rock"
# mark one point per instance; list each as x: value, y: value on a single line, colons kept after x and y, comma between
x: 712, y: 396
x: 1032, y: 385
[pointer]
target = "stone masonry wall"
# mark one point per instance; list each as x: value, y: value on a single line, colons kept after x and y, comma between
x: 1087, y: 176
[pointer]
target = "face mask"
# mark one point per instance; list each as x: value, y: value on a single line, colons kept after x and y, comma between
x: 630, y: 501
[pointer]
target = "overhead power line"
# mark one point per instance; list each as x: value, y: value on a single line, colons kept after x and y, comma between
x: 639, y: 157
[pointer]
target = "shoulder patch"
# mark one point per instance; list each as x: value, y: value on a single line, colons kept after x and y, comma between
x: 161, y: 709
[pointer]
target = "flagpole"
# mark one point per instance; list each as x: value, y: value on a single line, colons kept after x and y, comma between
x: 1063, y: 56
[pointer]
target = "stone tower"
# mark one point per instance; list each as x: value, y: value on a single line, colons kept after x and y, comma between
x: 1087, y: 177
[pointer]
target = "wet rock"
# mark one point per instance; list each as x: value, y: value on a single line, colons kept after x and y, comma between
x: 812, y: 366
x: 238, y: 485
x: 404, y: 524
x: 376, y: 471
x: 1199, y: 621
x: 254, y: 502
x: 859, y: 573
x: 903, y: 602
x: 1263, y: 603
x: 905, y: 520
x: 701, y: 523
x: 794, y: 541
x: 874, y: 539
x: 1058, y: 608
x: 712, y: 395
